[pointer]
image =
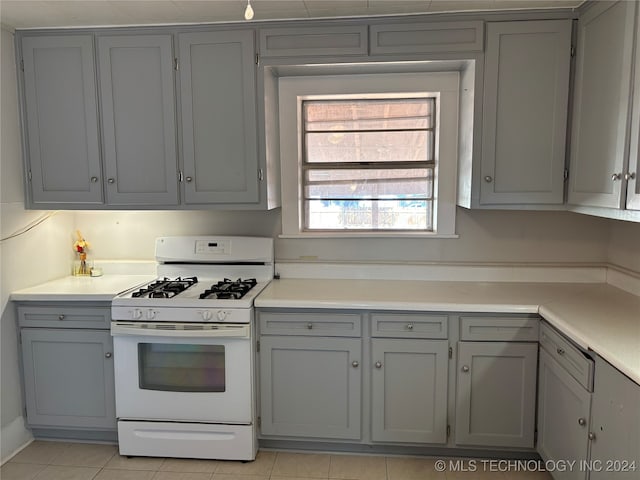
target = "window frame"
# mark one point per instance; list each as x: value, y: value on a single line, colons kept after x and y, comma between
x: 444, y: 86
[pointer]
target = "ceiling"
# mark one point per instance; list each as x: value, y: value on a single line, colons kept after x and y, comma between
x: 54, y: 13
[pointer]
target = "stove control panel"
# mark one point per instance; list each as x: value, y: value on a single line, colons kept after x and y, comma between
x: 216, y: 316
x: 218, y: 247
x: 182, y: 314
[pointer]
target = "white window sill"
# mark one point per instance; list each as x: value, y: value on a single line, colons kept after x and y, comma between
x: 368, y: 235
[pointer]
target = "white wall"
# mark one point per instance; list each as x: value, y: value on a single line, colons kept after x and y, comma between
x: 623, y: 248
x: 39, y: 255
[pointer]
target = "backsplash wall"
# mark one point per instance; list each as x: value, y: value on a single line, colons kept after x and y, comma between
x: 485, y: 236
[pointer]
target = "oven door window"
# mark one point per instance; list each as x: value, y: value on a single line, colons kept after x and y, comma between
x: 181, y: 368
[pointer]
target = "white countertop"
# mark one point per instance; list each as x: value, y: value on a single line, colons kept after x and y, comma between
x: 596, y: 316
x: 97, y: 289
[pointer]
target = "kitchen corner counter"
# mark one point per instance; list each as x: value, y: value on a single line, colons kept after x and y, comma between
x: 87, y: 289
x: 597, y: 316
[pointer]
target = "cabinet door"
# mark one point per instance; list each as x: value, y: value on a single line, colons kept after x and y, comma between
x: 615, y: 422
x: 138, y: 119
x: 496, y: 387
x: 601, y: 104
x: 218, y: 111
x: 310, y: 387
x: 61, y: 118
x: 68, y: 378
x: 526, y: 91
x: 563, y: 418
x: 632, y: 173
x: 409, y: 390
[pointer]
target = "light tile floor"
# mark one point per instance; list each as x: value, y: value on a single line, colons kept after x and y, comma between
x: 80, y: 461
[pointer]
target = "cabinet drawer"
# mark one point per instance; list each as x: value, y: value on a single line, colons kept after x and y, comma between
x: 310, y: 41
x: 427, y: 37
x: 408, y: 325
x: 568, y: 356
x: 64, y: 316
x: 310, y: 324
x: 500, y: 329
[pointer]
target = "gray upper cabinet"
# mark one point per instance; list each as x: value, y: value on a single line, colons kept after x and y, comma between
x: 313, y: 41
x: 68, y: 378
x: 218, y: 116
x: 632, y: 173
x: 61, y: 118
x: 487, y: 413
x: 564, y: 408
x: 526, y: 88
x: 138, y: 119
x: 432, y: 37
x: 615, y: 424
x: 601, y: 104
x: 409, y: 390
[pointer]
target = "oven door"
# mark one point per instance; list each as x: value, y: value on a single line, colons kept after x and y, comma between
x: 183, y: 372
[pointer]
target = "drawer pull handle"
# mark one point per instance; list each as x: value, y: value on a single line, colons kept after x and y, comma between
x: 355, y: 364
x: 378, y: 364
x: 560, y: 351
x: 582, y: 422
x: 465, y: 368
x: 60, y: 317
x: 107, y: 355
x: 409, y: 326
x: 309, y: 326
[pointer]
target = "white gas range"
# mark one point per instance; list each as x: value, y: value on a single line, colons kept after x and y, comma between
x: 184, y: 350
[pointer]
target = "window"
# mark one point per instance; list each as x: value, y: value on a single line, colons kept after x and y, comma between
x: 368, y: 155
x: 368, y: 164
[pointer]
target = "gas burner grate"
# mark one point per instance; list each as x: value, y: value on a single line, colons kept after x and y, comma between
x: 165, y: 288
x: 229, y: 289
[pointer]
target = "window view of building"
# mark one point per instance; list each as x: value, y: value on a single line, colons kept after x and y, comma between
x: 368, y: 164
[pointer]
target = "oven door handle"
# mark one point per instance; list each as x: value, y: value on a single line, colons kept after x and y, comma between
x: 175, y: 330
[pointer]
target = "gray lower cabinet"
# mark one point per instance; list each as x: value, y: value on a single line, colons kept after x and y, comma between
x: 601, y: 104
x: 60, y: 116
x: 310, y: 387
x: 409, y: 390
x: 564, y: 407
x: 68, y: 378
x: 495, y: 396
x: 615, y: 425
x: 138, y: 119
x: 67, y: 367
x: 218, y: 116
x: 525, y: 103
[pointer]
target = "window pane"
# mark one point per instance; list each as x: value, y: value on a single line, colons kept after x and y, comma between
x: 407, y: 184
x: 181, y: 368
x: 368, y: 114
x: 375, y: 146
x: 369, y: 215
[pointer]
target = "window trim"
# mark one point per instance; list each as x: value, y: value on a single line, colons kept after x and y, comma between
x: 442, y: 85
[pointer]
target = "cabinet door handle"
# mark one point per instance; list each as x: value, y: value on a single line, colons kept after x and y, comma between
x: 582, y: 422
x: 409, y: 326
x: 488, y: 179
x: 310, y: 325
x: 189, y: 179
x: 592, y: 436
x: 94, y: 179
x: 465, y: 368
x: 378, y: 364
x: 107, y: 355
x: 111, y: 180
x: 616, y: 176
x: 355, y: 364
x: 60, y: 317
x: 630, y: 175
x: 560, y: 351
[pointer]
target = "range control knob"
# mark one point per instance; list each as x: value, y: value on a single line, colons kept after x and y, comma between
x: 206, y: 315
x: 151, y: 314
x: 136, y: 314
x: 222, y: 315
